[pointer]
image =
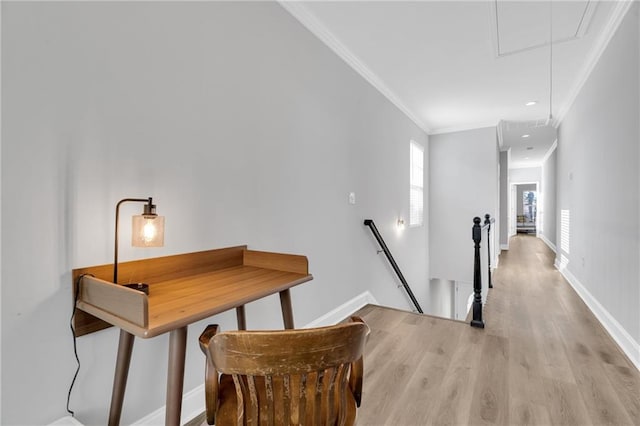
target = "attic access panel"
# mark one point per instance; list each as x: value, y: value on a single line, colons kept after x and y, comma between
x: 522, y: 26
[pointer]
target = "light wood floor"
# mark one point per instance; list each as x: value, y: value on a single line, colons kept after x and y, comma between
x: 543, y: 358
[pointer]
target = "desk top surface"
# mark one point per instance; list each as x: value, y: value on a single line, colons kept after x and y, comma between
x: 181, y: 300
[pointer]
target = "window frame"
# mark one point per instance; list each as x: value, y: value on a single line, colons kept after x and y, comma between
x: 414, y: 185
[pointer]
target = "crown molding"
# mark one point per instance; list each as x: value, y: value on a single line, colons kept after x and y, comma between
x: 523, y: 165
x: 615, y: 19
x: 464, y: 128
x: 309, y: 21
x: 549, y: 152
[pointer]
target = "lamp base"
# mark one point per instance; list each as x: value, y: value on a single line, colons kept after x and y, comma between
x: 139, y: 287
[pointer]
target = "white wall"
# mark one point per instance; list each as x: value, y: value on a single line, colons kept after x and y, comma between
x: 598, y: 183
x: 525, y: 175
x: 243, y: 127
x: 504, y: 199
x: 463, y: 182
x: 497, y: 215
x: 547, y: 206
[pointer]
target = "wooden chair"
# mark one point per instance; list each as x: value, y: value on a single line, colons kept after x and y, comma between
x: 301, y: 377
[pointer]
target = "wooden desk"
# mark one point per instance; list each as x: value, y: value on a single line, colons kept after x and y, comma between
x: 183, y: 289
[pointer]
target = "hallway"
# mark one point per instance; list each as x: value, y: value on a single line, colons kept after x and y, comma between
x: 542, y: 359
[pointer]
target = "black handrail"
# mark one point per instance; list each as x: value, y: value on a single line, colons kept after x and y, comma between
x: 394, y: 265
x: 488, y: 220
x: 476, y: 235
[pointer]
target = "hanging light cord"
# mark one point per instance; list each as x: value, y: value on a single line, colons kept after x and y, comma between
x: 550, y: 59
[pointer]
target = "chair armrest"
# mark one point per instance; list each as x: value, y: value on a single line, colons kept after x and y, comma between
x: 206, y: 337
x: 211, y: 386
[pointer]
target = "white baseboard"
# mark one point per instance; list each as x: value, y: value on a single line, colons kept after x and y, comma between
x: 504, y: 246
x: 547, y: 242
x: 66, y: 421
x: 344, y: 310
x: 628, y: 345
x: 192, y: 406
x: 193, y: 401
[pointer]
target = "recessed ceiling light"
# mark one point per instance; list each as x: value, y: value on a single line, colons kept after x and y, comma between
x: 525, y: 136
x: 531, y: 103
x: 529, y: 148
x: 526, y: 158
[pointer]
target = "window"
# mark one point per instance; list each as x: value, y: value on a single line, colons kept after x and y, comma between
x: 416, y: 184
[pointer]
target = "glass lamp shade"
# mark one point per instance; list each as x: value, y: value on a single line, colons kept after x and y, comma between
x: 147, y: 231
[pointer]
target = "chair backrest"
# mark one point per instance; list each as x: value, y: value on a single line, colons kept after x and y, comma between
x: 293, y: 376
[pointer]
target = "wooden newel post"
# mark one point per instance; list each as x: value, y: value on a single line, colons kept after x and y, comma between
x: 487, y: 221
x: 476, y: 234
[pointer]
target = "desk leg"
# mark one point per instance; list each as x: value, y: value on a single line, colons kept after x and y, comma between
x: 242, y: 319
x: 287, y: 310
x: 125, y: 346
x: 175, y: 375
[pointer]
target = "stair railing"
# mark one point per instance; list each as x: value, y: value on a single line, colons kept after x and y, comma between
x: 488, y: 220
x: 476, y: 235
x: 394, y: 265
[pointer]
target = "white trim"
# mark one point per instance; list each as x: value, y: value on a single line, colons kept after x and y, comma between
x: 66, y: 421
x: 344, y: 310
x: 308, y: 20
x: 549, y: 152
x: 464, y: 128
x: 547, y: 242
x: 500, y: 136
x: 615, y: 19
x: 525, y: 166
x: 192, y: 406
x: 193, y: 401
x: 628, y: 345
x: 504, y: 246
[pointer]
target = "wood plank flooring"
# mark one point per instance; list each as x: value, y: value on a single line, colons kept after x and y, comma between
x: 543, y: 358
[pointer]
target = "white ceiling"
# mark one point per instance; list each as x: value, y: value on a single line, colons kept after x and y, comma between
x: 454, y: 65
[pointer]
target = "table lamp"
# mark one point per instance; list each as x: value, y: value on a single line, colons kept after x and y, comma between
x: 147, y: 229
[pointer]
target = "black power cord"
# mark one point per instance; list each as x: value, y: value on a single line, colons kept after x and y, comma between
x: 73, y: 333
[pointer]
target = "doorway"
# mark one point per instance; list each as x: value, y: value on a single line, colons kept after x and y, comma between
x: 525, y: 208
